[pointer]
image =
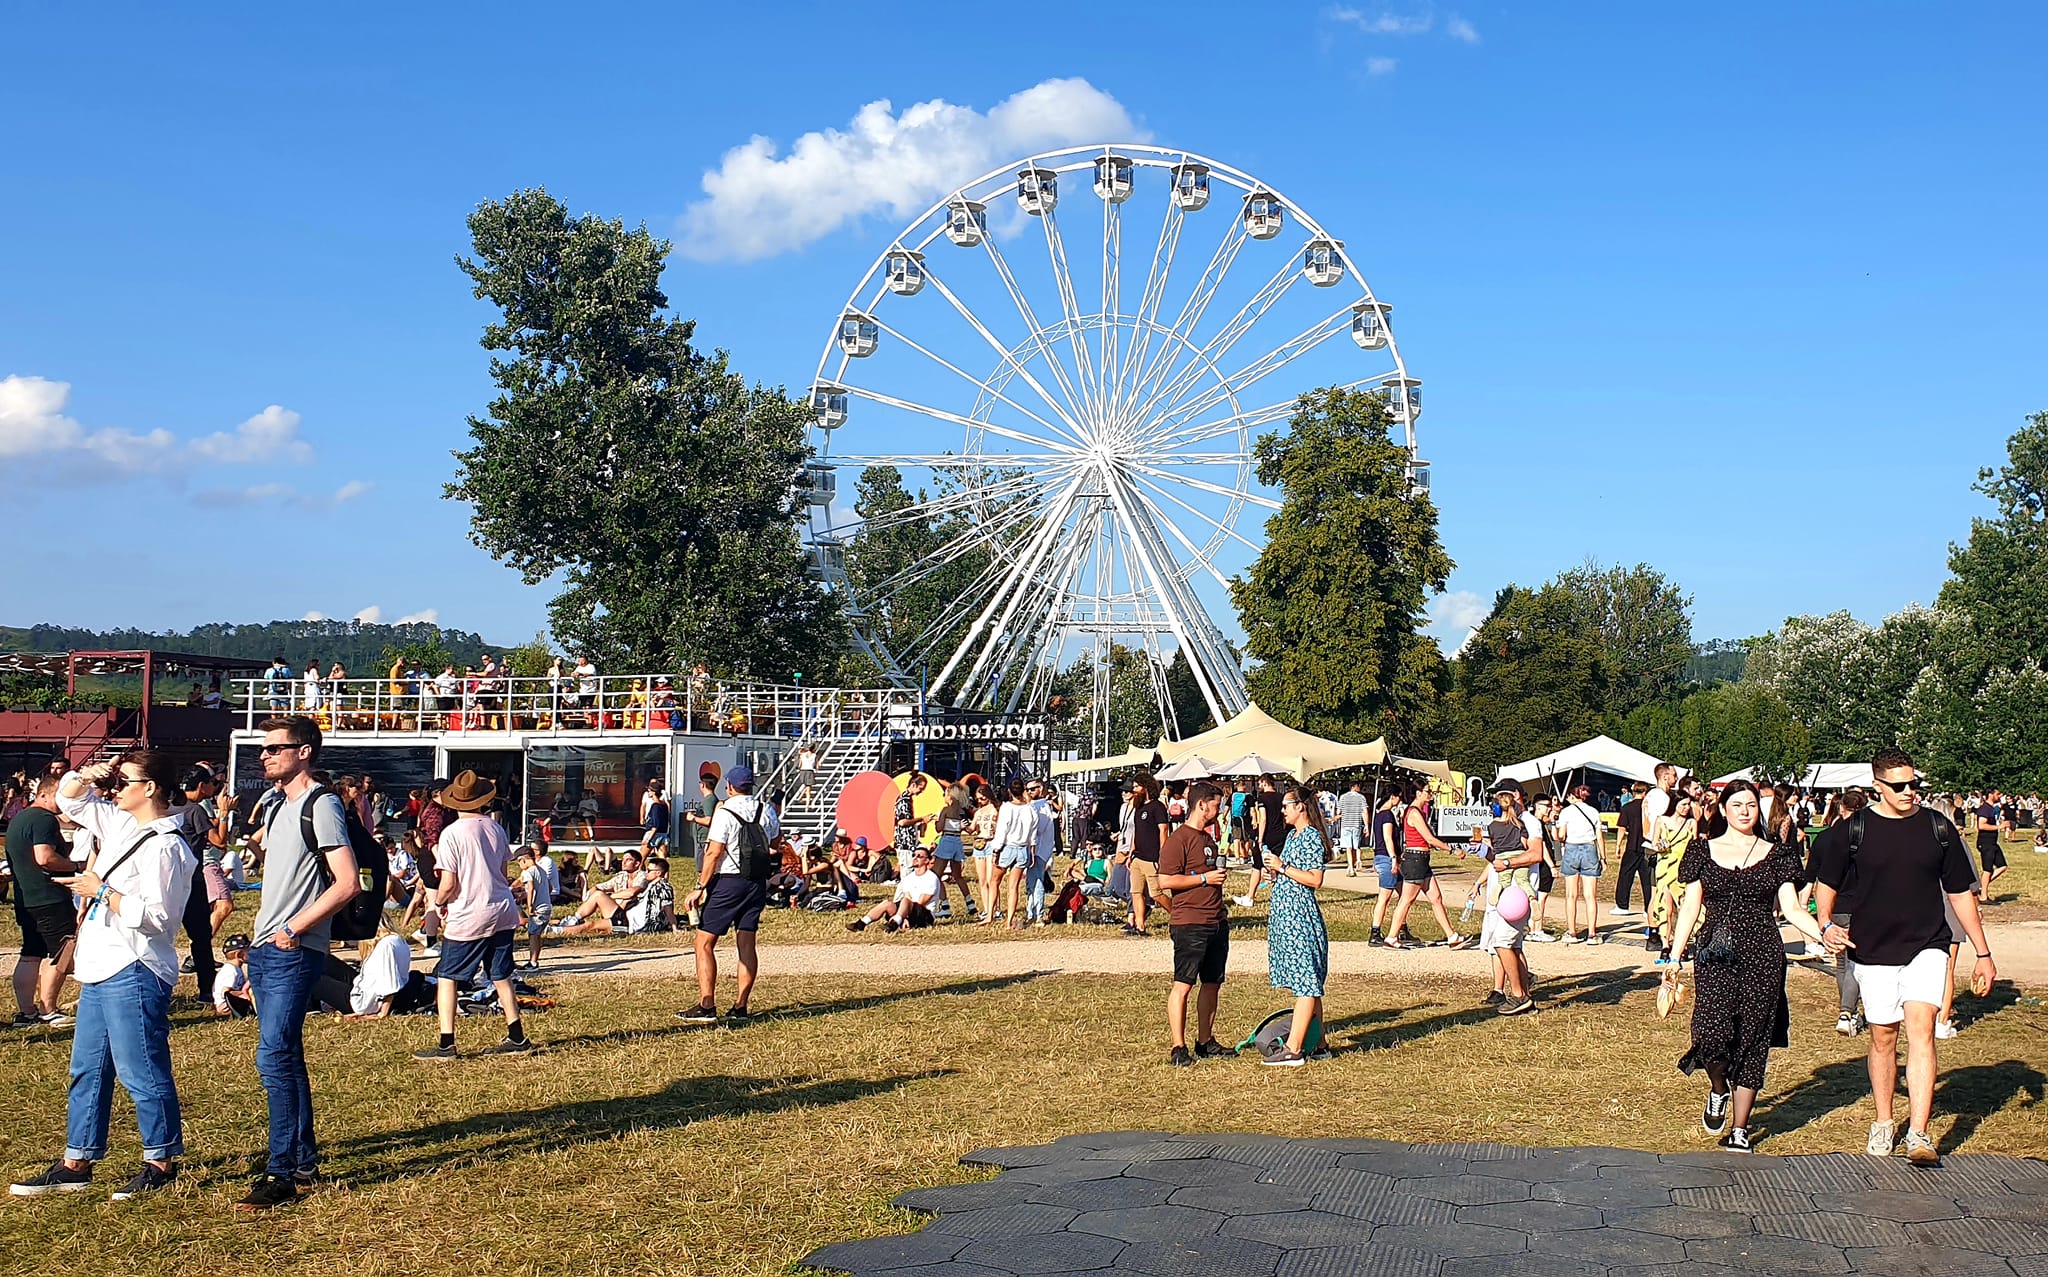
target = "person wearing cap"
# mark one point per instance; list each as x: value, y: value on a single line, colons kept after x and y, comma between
x: 231, y: 996
x: 479, y: 915
x: 728, y: 899
x: 1579, y: 865
x: 303, y: 888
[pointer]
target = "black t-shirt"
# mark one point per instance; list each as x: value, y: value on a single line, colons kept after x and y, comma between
x: 1631, y: 823
x: 30, y: 826
x: 1900, y: 875
x: 1832, y: 841
x: 1987, y: 820
x: 1145, y: 830
x: 1386, y: 833
x: 1276, y: 824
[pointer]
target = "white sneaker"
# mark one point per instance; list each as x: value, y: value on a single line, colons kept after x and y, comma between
x: 1944, y: 1030
x: 1242, y: 902
x: 1540, y: 936
x: 1619, y: 912
x: 1845, y: 1024
x: 1882, y: 1136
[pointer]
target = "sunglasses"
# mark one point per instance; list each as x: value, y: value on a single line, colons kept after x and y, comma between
x: 1903, y: 786
x: 132, y: 780
x: 268, y: 750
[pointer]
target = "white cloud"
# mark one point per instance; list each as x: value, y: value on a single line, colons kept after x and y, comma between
x: 1453, y: 617
x: 270, y: 435
x: 314, y: 616
x: 369, y: 615
x: 1461, y: 30
x: 281, y: 494
x: 1382, y: 23
x: 1380, y: 66
x: 430, y: 616
x: 33, y: 424
x: 761, y: 202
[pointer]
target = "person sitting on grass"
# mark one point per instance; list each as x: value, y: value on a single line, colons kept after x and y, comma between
x: 604, y: 909
x: 573, y: 882
x: 790, y: 883
x: 385, y: 985
x: 231, y: 996
x: 912, y: 905
x: 872, y: 864
x: 1073, y: 897
x: 656, y: 908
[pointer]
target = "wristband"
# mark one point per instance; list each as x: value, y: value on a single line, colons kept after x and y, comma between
x: 1983, y: 955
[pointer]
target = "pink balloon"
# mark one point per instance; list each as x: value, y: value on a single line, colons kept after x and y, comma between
x: 1514, y: 905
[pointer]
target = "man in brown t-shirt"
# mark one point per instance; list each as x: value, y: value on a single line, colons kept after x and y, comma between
x: 1189, y: 868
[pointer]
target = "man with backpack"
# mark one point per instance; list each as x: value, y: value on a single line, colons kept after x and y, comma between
x: 306, y: 881
x: 1891, y: 870
x: 731, y: 892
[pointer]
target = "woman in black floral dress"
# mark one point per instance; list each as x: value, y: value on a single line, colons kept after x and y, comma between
x: 1732, y: 883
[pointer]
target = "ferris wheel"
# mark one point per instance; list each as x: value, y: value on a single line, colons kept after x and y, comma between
x: 1075, y: 421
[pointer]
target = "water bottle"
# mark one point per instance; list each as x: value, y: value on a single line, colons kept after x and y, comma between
x: 1467, y: 915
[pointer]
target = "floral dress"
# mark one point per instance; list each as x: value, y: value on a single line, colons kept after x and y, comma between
x: 1740, y: 1011
x: 1297, y: 943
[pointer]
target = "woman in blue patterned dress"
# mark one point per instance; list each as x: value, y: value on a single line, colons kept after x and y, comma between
x: 1297, y: 943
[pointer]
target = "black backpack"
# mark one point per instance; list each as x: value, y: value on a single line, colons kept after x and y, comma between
x: 757, y: 859
x: 1945, y: 836
x: 358, y: 919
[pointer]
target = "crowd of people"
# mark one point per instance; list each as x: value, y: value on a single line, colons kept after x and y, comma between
x: 109, y: 862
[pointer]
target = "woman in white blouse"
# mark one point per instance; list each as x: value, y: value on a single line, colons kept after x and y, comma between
x: 1015, y: 841
x: 132, y: 894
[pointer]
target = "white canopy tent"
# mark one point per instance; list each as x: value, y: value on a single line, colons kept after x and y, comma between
x: 1254, y: 731
x: 1818, y: 776
x: 1600, y: 754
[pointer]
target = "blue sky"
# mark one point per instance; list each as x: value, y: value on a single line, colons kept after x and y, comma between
x: 1747, y: 292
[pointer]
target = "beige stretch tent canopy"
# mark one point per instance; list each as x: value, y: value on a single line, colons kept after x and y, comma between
x: 1254, y: 731
x: 1137, y: 756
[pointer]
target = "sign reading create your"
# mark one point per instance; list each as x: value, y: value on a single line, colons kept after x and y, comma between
x: 975, y: 733
x: 1461, y: 822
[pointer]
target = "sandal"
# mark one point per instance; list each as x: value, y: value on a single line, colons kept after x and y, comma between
x: 1461, y: 942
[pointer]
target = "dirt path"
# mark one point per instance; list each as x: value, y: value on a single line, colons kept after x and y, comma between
x: 2021, y: 948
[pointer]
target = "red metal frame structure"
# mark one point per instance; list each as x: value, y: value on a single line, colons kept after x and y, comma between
x: 150, y: 661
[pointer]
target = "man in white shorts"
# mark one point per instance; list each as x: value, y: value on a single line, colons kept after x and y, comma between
x: 1890, y: 873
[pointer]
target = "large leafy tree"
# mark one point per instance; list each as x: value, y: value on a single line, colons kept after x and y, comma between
x: 648, y: 476
x: 1531, y: 679
x: 1719, y: 729
x: 914, y: 563
x: 1332, y: 608
x: 1644, y: 625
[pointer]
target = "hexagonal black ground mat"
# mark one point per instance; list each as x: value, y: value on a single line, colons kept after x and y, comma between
x: 1263, y: 1206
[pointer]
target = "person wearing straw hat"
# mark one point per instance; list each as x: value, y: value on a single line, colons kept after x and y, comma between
x: 479, y: 917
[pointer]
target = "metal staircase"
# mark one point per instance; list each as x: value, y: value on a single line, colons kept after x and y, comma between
x: 851, y: 744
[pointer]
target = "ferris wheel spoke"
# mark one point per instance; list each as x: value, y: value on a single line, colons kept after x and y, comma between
x: 947, y: 503
x: 1203, y: 515
x: 1112, y: 287
x: 1155, y: 291
x: 1184, y: 616
x: 977, y: 382
x: 1167, y: 436
x: 1033, y: 551
x: 1070, y: 307
x: 911, y: 405
x: 1261, y: 368
x: 1191, y: 311
x: 948, y: 460
x: 1195, y: 553
x: 1063, y: 411
x: 1030, y: 318
x: 1233, y: 330
x: 1253, y: 498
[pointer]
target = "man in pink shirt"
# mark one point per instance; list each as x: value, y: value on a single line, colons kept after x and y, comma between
x: 478, y: 914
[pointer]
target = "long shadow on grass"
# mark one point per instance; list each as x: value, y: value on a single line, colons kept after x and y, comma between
x: 391, y: 1155
x: 1975, y: 1093
x: 1599, y: 988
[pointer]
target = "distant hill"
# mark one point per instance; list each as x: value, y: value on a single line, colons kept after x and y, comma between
x: 1717, y: 661
x: 359, y: 647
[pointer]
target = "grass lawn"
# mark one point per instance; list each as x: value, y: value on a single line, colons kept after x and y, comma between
x: 634, y: 1143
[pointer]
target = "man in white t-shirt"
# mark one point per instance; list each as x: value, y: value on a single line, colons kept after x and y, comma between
x: 912, y: 905
x: 729, y: 899
x: 1656, y: 805
x: 384, y: 973
x: 1579, y: 864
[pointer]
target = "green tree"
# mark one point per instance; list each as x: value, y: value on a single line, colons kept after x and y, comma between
x: 1531, y: 679
x: 532, y: 658
x: 660, y: 487
x: 1644, y: 625
x: 1332, y: 608
x: 1190, y: 710
x: 912, y: 567
x: 1720, y: 729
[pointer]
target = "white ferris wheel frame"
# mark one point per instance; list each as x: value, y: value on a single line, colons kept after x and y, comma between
x: 1144, y: 390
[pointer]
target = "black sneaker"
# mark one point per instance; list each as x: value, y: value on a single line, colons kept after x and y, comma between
x: 1180, y: 1059
x: 187, y: 968
x: 1212, y: 1050
x: 271, y: 1191
x: 1523, y: 1006
x: 698, y: 1015
x: 436, y: 1055
x: 58, y: 1179
x: 150, y: 1180
x: 1736, y: 1140
x: 508, y: 1047
x: 738, y: 1015
x: 1652, y: 941
x: 1284, y: 1059
x: 1376, y: 936
x: 1407, y: 938
x: 1715, y: 1115
x: 1495, y: 998
x: 307, y: 1181
x: 1130, y: 930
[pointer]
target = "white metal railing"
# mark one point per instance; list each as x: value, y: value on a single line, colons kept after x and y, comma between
x: 609, y: 703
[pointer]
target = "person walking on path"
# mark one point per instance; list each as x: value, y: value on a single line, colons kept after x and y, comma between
x: 1297, y: 942
x: 1513, y: 855
x: 1732, y: 883
x: 1674, y: 833
x: 1270, y: 830
x: 1891, y: 870
x: 134, y: 888
x: 1989, y: 820
x: 479, y: 917
x: 1190, y: 868
x: 1386, y: 846
x: 1352, y: 810
x: 1417, y: 877
x: 1633, y: 871
x: 1657, y: 804
x: 1579, y: 866
x: 1850, y: 1021
x: 731, y: 894
x: 306, y: 881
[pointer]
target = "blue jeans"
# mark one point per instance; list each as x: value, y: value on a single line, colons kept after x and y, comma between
x: 124, y: 1031
x: 1034, y: 908
x: 283, y: 982
x: 1580, y: 860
